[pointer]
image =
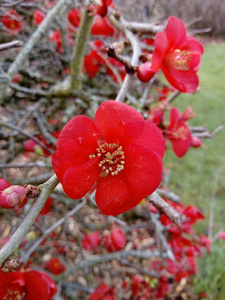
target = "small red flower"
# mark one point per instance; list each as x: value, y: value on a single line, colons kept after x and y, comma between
x: 38, y: 17
x: 92, y: 63
x: 74, y: 17
x: 12, y: 21
x: 178, y: 133
x: 221, y: 235
x: 91, y: 241
x: 119, y: 150
x: 178, y: 55
x: 193, y: 214
x: 27, y: 285
x: 115, y: 241
x: 103, y: 292
x: 102, y: 26
x: 54, y: 266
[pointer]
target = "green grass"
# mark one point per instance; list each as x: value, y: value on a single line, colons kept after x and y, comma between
x: 193, y: 177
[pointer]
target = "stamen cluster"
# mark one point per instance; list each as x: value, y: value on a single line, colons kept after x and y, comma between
x: 111, y: 158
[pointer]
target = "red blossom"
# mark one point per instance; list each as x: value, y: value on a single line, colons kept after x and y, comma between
x: 178, y: 133
x: 12, y: 21
x: 28, y: 285
x: 140, y: 288
x: 38, y: 17
x: 221, y: 235
x: 103, y: 292
x: 74, y: 17
x: 119, y: 150
x: 92, y: 63
x: 193, y: 214
x: 115, y: 241
x: 91, y: 241
x: 178, y: 55
x: 102, y: 26
x: 54, y: 266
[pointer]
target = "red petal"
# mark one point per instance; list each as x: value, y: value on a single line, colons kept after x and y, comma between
x: 102, y: 27
x: 80, y: 129
x: 111, y: 118
x: 41, y: 282
x: 142, y: 170
x: 78, y: 180
x: 191, y: 44
x: 183, y: 81
x: 149, y: 136
x: 175, y: 31
x: 69, y: 155
x: 159, y: 51
x: 113, y: 197
x: 174, y: 117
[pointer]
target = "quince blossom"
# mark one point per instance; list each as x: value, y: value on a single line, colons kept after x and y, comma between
x: 119, y: 150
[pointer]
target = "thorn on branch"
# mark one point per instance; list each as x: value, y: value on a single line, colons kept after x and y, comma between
x: 128, y: 67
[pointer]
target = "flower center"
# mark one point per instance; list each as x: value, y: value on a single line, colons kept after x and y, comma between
x: 111, y: 159
x: 181, y: 60
x: 180, y: 133
x: 13, y: 295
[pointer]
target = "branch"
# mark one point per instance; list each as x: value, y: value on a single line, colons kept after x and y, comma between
x: 79, y: 50
x: 10, y: 45
x: 165, y: 208
x: 16, y: 239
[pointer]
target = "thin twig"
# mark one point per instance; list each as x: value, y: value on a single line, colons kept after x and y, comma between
x: 13, y: 44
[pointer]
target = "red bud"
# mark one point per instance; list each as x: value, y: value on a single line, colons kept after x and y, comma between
x: 12, y: 196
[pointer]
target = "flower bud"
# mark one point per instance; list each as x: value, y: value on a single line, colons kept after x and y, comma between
x: 4, y: 184
x: 12, y: 196
x: 31, y: 146
x: 145, y: 72
x: 12, y: 264
x: 196, y: 142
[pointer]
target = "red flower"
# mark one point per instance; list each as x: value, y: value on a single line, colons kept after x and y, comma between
x: 193, y: 214
x: 54, y: 266
x: 221, y: 235
x: 91, y: 241
x: 38, y: 17
x: 29, y: 285
x: 140, y: 288
x: 12, y: 21
x: 115, y: 241
x: 74, y: 17
x: 178, y: 55
x: 92, y: 63
x: 101, y: 9
x: 103, y: 292
x: 178, y: 133
x: 102, y: 26
x: 119, y: 150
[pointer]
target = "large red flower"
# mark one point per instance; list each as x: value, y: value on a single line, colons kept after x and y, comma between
x: 29, y: 285
x: 119, y: 150
x: 178, y: 55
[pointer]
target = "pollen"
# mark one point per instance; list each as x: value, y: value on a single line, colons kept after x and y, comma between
x: 111, y: 158
x: 181, y: 60
x: 181, y: 133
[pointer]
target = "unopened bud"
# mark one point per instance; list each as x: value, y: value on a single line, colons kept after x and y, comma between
x: 4, y: 184
x: 196, y: 142
x: 12, y: 196
x: 32, y: 191
x: 31, y: 236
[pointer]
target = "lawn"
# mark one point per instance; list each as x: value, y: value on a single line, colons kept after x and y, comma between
x: 199, y: 176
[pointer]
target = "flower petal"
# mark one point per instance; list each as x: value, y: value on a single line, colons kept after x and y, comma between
x: 113, y: 196
x: 183, y: 81
x: 175, y: 31
x: 161, y: 45
x: 111, y: 118
x: 142, y: 170
x: 102, y: 27
x: 68, y: 155
x: 78, y: 180
x: 80, y: 129
x: 149, y: 136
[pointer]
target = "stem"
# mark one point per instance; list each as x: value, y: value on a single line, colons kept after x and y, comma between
x: 79, y: 50
x: 17, y: 238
